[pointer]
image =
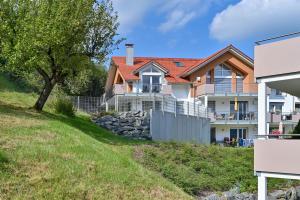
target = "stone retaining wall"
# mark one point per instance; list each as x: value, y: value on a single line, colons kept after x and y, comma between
x: 129, y: 124
x: 234, y: 194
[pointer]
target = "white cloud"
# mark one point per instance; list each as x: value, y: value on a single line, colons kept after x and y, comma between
x: 176, y: 13
x: 132, y: 12
x: 176, y: 19
x: 256, y: 18
x: 180, y: 12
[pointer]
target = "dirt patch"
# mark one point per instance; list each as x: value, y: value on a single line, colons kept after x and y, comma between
x: 34, y: 172
x: 138, y: 153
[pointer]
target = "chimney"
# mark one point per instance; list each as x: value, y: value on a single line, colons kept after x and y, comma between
x: 129, y: 54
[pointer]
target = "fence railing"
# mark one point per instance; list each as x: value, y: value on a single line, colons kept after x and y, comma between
x: 142, y: 88
x: 158, y: 102
x: 88, y: 104
x: 245, y: 88
x: 126, y: 103
x: 227, y: 116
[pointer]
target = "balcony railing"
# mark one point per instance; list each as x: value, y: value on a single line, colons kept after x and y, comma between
x: 277, y: 154
x: 276, y: 117
x: 226, y: 89
x: 143, y: 88
x: 233, y: 116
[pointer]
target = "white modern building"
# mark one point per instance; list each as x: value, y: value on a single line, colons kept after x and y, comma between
x: 221, y: 86
x: 277, y: 66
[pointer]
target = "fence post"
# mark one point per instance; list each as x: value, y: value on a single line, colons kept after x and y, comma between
x: 188, y: 108
x: 175, y: 110
x: 116, y: 103
x: 153, y: 102
x: 106, y: 106
x: 194, y: 107
x: 78, y: 102
x: 162, y: 106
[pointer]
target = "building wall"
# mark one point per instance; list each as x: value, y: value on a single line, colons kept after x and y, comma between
x: 181, y: 91
x: 223, y: 104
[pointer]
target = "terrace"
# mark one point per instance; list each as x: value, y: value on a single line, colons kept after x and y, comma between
x: 277, y: 65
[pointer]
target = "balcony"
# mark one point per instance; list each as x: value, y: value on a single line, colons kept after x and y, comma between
x: 227, y: 90
x: 233, y: 117
x: 277, y: 117
x: 143, y: 89
x: 277, y: 155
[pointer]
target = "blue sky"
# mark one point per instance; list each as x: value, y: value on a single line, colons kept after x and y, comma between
x: 198, y: 28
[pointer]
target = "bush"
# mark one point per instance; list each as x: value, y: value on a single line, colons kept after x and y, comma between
x: 296, y: 131
x: 64, y: 106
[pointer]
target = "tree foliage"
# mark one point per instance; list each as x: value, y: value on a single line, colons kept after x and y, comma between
x: 60, y: 40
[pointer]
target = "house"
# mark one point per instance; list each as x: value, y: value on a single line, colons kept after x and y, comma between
x: 277, y: 66
x: 222, y: 83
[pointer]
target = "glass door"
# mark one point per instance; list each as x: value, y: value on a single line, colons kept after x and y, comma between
x: 241, y: 113
x: 146, y: 83
x: 155, y: 84
x: 238, y: 133
x: 151, y: 83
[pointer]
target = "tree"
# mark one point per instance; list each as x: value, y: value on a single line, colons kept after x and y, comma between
x: 58, y: 39
x: 93, y: 86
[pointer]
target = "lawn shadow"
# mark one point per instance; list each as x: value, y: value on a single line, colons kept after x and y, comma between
x: 18, y: 111
x: 82, y: 123
x: 86, y: 126
x: 3, y: 160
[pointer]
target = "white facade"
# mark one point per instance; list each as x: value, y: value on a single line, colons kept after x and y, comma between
x: 181, y: 91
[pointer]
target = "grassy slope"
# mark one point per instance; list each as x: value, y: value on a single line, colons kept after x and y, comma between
x: 197, y: 169
x: 49, y: 156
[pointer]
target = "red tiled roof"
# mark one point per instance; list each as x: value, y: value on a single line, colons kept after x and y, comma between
x: 175, y: 74
x: 174, y: 71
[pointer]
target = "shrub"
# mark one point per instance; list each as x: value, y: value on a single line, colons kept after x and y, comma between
x: 64, y: 106
x: 297, y: 131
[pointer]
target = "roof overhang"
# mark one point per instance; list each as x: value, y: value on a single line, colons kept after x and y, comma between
x: 230, y: 49
x: 288, y: 83
x: 155, y: 64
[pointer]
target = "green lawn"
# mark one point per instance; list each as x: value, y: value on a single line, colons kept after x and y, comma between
x: 50, y: 156
x: 197, y: 168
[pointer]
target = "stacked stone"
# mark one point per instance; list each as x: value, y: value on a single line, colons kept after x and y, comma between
x: 234, y: 194
x: 129, y: 124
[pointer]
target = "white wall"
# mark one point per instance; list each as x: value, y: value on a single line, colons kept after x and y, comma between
x: 181, y: 91
x: 223, y: 104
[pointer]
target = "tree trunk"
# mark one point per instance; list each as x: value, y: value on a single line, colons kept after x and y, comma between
x: 39, y: 104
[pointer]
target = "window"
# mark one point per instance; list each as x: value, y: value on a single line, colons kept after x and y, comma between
x: 297, y: 107
x: 278, y: 92
x: 178, y: 64
x: 239, y: 83
x: 222, y: 71
x: 151, y: 69
x: 275, y: 107
x: 242, y: 112
x: 223, y: 77
x: 208, y: 77
x: 238, y: 133
x: 151, y: 83
x: 211, y: 106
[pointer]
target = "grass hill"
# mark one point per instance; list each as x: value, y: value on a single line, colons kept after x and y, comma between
x: 50, y: 156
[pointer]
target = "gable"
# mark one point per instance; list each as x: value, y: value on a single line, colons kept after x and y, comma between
x: 151, y: 67
x: 230, y: 60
